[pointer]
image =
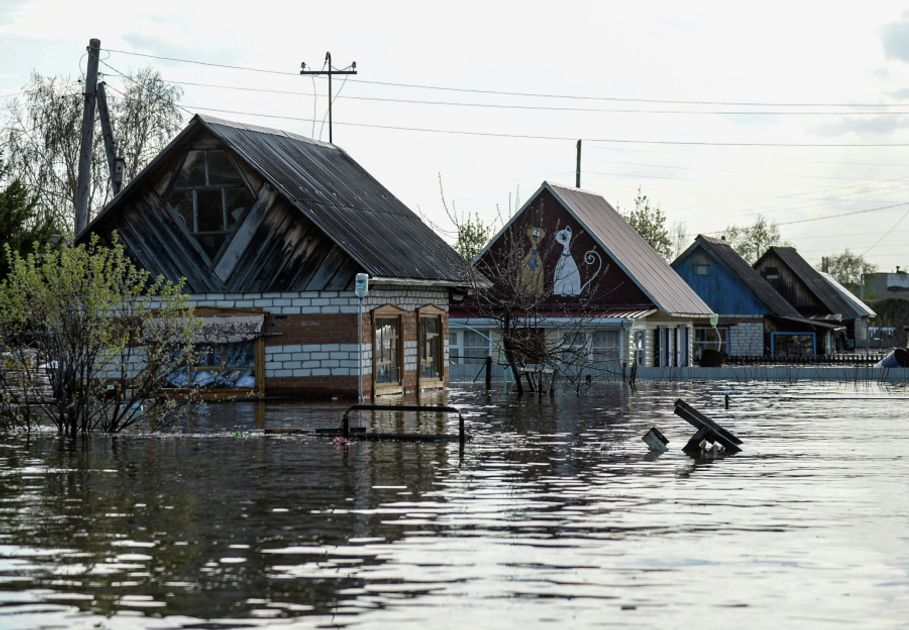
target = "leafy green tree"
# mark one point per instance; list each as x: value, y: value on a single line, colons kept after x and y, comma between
x: 650, y: 222
x: 43, y: 133
x: 751, y: 241
x: 847, y: 268
x: 472, y: 236
x: 88, y: 339
x: 22, y: 224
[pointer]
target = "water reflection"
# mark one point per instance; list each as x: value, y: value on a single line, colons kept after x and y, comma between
x: 552, y: 514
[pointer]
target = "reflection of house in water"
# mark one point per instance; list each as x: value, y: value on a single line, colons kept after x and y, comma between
x: 753, y: 316
x: 270, y: 229
x: 598, y: 289
x: 815, y: 296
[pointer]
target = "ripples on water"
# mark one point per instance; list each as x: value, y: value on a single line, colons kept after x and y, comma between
x: 550, y: 516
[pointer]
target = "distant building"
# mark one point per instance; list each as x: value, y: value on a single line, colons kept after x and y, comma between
x: 884, y: 285
x: 269, y: 229
x: 815, y: 295
x: 599, y: 290
x: 754, y: 319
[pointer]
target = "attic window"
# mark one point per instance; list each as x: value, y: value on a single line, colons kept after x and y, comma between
x: 702, y: 269
x: 771, y: 273
x: 210, y: 197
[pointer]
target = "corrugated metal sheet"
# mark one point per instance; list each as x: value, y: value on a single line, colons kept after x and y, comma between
x: 830, y: 297
x: 353, y: 209
x: 638, y: 259
x: 748, y: 276
x: 860, y: 308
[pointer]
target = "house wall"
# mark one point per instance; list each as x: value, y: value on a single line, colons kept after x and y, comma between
x: 311, y: 345
x: 791, y: 287
x: 746, y: 339
x: 650, y: 326
x: 719, y: 288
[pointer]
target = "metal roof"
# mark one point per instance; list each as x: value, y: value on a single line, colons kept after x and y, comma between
x: 825, y: 292
x: 746, y: 274
x: 860, y: 308
x: 353, y: 209
x: 646, y: 268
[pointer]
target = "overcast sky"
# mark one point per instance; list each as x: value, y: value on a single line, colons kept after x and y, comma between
x: 653, y: 75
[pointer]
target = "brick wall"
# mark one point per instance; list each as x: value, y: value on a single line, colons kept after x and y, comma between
x: 746, y: 338
x: 311, y: 337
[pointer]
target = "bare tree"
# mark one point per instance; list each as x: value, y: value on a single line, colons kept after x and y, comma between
x: 42, y: 134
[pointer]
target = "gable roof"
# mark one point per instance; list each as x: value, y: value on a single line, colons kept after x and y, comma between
x: 825, y: 292
x: 745, y: 273
x: 333, y: 191
x: 640, y: 262
x: 858, y: 307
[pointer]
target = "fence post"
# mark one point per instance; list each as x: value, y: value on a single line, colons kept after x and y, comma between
x: 488, y: 373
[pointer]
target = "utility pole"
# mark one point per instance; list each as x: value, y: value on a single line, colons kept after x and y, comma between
x: 114, y: 163
x: 577, y: 172
x: 330, y: 72
x: 83, y: 184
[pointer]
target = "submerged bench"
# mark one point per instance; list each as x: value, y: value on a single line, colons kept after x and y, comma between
x: 707, y: 429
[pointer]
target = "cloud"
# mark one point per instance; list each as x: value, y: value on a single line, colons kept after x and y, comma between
x: 895, y: 38
x: 874, y: 126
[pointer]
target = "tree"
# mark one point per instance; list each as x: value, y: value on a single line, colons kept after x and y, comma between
x: 847, y: 268
x: 471, y: 233
x: 753, y: 240
x: 43, y: 132
x: 22, y: 224
x: 650, y: 222
x: 88, y: 339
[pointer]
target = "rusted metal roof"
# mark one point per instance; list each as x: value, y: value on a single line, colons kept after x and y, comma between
x: 747, y: 275
x: 653, y: 275
x: 353, y: 209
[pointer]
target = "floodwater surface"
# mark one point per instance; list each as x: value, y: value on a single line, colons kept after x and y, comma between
x: 553, y: 515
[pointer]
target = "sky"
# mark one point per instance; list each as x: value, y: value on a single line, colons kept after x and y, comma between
x: 718, y: 111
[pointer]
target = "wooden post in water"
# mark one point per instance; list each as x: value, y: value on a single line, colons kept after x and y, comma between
x: 488, y: 373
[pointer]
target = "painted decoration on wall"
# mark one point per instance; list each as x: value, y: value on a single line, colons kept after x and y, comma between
x: 566, y: 281
x: 531, y: 274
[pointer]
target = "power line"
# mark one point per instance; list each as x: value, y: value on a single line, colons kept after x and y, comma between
x: 409, y: 101
x: 845, y: 214
x: 887, y: 233
x: 492, y: 134
x: 521, y: 94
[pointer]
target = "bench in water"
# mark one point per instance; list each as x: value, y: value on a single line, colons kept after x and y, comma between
x: 707, y: 429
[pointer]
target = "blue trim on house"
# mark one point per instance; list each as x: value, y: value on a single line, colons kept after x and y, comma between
x: 774, y: 335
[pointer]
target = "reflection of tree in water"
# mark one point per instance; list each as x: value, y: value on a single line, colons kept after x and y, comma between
x: 186, y: 501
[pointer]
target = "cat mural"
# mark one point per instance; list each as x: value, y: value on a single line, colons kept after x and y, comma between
x: 566, y: 280
x: 531, y: 273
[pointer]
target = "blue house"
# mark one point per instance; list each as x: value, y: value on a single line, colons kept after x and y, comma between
x: 754, y: 319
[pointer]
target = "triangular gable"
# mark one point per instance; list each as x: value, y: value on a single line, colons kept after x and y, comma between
x: 626, y: 249
x: 369, y: 224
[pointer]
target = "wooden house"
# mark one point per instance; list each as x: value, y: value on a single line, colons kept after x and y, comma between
x: 815, y: 297
x: 754, y: 319
x: 591, y: 285
x: 270, y: 229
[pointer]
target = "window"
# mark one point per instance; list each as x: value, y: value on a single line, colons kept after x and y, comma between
x: 209, y: 197
x: 387, y: 351
x: 220, y: 366
x: 574, y: 353
x: 606, y: 348
x: 771, y: 273
x: 702, y: 269
x: 431, y: 348
x: 705, y: 337
x: 793, y: 345
x: 476, y: 346
x: 529, y: 345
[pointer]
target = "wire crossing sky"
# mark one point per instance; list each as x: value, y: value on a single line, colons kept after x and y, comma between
x: 717, y: 113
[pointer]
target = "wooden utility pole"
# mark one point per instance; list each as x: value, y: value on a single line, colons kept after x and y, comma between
x: 114, y: 164
x: 577, y: 172
x: 329, y: 71
x: 83, y: 184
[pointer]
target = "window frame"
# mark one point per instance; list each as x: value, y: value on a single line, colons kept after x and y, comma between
x: 193, y: 190
x: 391, y: 313
x: 426, y: 313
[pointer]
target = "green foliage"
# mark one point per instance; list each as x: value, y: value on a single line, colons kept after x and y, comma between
x: 847, y: 268
x: 88, y: 339
x: 42, y: 133
x: 650, y: 222
x: 752, y: 241
x: 472, y: 236
x: 22, y: 224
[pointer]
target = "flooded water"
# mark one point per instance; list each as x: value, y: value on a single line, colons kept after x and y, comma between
x: 551, y: 516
